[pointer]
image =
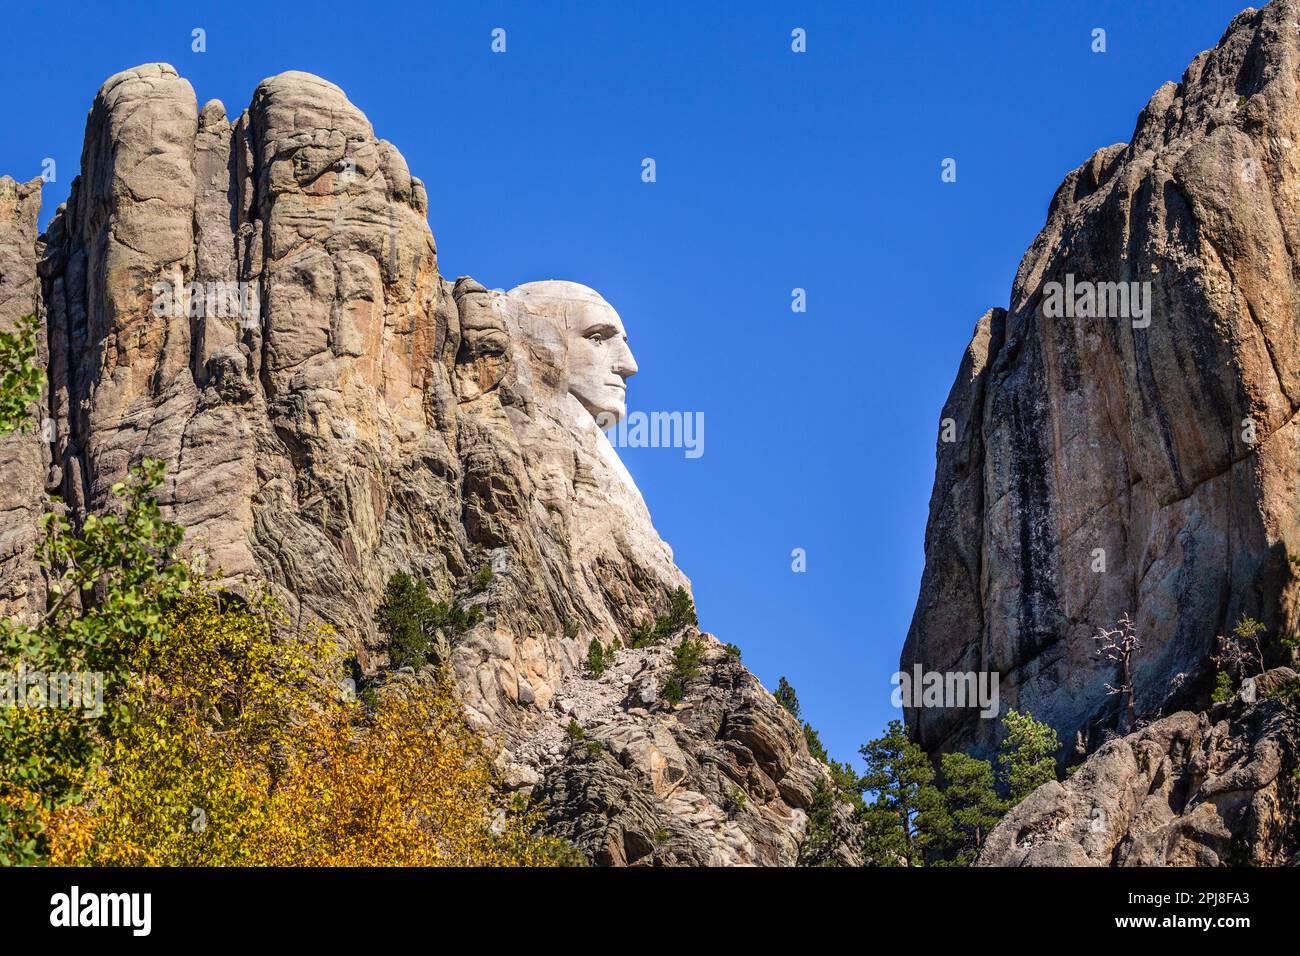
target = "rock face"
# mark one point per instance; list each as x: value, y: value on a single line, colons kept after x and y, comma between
x: 255, y: 300
x: 24, y: 457
x: 721, y: 779
x: 1133, y: 450
x: 1209, y: 789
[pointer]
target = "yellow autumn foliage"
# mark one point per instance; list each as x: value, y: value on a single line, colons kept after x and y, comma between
x: 241, y: 750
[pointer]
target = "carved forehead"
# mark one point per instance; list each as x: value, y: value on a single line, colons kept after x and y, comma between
x: 568, y: 304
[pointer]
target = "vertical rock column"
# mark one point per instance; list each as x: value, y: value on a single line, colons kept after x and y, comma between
x: 24, y: 457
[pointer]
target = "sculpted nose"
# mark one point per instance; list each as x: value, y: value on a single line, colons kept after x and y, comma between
x: 624, y: 364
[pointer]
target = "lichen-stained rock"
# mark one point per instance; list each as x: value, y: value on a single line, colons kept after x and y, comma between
x: 255, y: 299
x: 24, y: 455
x: 1145, y: 462
x: 1209, y: 789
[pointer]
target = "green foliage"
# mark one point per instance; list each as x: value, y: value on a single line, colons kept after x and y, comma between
x: 1289, y: 692
x: 482, y: 578
x: 22, y: 835
x: 556, y: 851
x: 1248, y: 629
x: 732, y: 650
x: 595, y: 659
x: 1026, y: 756
x: 574, y: 731
x: 673, y: 690
x: 734, y: 801
x: 571, y: 630
x: 900, y: 822
x: 406, y: 617
x: 20, y: 377
x: 681, y: 614
x: 918, y: 818
x: 823, y: 832
x: 686, y: 666
x: 815, y: 746
x: 111, y: 583
x: 834, y: 816
x: 787, y: 698
x: 641, y: 635
x: 112, y: 580
x: 971, y: 806
x: 1223, y: 689
x: 411, y: 620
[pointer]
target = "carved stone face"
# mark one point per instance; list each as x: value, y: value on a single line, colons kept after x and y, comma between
x: 595, y: 361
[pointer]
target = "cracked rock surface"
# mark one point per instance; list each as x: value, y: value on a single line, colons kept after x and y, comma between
x: 1102, y: 465
x: 1216, y: 788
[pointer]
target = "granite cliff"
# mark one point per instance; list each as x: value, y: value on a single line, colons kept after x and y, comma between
x: 1122, y: 438
x: 255, y: 300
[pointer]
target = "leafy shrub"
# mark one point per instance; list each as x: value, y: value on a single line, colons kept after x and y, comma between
x: 20, y: 376
x: 1223, y: 688
x: 242, y: 751
x: 680, y: 614
x: 111, y: 583
x: 734, y: 801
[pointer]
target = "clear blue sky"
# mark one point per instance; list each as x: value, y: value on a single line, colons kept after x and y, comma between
x: 775, y: 170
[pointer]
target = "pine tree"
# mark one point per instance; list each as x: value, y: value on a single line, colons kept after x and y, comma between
x: 787, y: 698
x: 595, y: 659
x: 1027, y: 755
x: 902, y: 820
x: 406, y: 615
x: 971, y: 803
x: 686, y: 659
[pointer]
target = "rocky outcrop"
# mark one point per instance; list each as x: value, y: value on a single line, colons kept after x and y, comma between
x: 23, y: 455
x: 720, y: 779
x: 255, y: 299
x: 1209, y: 789
x: 1113, y: 448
